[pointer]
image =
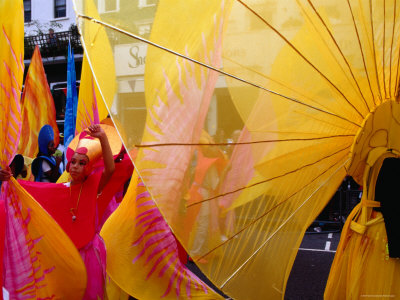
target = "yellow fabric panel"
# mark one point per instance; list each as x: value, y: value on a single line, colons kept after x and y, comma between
x: 56, y: 262
x: 91, y: 107
x: 11, y: 75
x: 140, y: 260
x: 37, y: 107
x: 96, y: 45
x: 296, y: 81
x: 64, y: 177
x: 114, y: 292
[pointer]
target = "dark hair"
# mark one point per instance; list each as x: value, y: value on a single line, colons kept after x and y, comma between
x: 18, y: 163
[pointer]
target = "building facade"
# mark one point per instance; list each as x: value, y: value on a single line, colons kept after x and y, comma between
x: 41, y: 17
x: 129, y: 55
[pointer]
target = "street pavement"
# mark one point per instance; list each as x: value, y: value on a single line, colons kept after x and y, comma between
x: 310, y: 271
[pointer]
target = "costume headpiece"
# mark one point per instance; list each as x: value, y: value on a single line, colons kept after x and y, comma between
x: 91, y: 147
x: 46, y: 135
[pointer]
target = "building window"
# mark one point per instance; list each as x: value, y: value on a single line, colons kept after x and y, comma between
x: 144, y: 30
x: 108, y: 6
x: 60, y: 8
x: 147, y: 3
x: 27, y: 11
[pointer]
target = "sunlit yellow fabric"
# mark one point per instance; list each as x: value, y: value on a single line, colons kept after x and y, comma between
x: 296, y: 81
x: 37, y: 107
x: 114, y: 292
x: 140, y: 259
x: 64, y: 177
x: 91, y: 108
x: 11, y: 74
x: 58, y: 269
x: 96, y: 42
x: 362, y: 266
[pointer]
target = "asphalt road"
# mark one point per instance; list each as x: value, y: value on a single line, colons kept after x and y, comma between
x: 310, y: 271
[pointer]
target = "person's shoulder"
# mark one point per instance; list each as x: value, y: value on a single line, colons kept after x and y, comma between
x: 46, y: 165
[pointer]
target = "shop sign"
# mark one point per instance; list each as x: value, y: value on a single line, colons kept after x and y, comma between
x: 130, y: 59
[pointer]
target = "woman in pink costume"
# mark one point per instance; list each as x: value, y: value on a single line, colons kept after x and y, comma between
x: 78, y: 205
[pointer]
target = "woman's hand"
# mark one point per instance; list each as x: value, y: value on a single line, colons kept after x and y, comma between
x: 5, y: 174
x: 96, y: 131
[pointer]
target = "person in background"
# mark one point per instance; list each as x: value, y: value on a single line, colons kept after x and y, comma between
x: 46, y: 166
x: 60, y: 151
x: 234, y: 139
x: 14, y: 170
x: 26, y: 173
x: 202, y: 223
x: 52, y: 38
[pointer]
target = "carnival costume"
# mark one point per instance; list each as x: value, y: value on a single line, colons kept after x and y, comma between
x: 366, y: 263
x: 78, y: 208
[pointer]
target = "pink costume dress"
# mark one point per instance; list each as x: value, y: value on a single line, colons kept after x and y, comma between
x: 59, y: 199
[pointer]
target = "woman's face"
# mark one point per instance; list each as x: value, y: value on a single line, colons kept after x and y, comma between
x: 78, y: 166
x: 51, y: 148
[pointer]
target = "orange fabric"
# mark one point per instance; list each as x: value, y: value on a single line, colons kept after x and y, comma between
x: 91, y: 108
x: 37, y: 107
x: 203, y: 165
x: 11, y: 77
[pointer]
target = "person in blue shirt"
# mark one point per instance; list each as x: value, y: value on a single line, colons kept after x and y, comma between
x: 46, y: 166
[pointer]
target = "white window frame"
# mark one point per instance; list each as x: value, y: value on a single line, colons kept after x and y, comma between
x: 143, y: 3
x: 144, y: 29
x: 102, y: 6
x: 66, y: 11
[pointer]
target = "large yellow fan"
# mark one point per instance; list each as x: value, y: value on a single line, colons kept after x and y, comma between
x: 249, y: 116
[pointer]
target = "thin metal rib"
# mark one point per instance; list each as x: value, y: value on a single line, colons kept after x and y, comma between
x: 275, y: 81
x: 341, y: 53
x: 362, y: 52
x: 267, y: 212
x: 280, y: 227
x: 383, y: 51
x: 266, y: 180
x: 245, y: 143
x: 302, y: 56
x: 391, y: 50
x: 211, y: 67
x: 374, y: 51
x: 397, y: 72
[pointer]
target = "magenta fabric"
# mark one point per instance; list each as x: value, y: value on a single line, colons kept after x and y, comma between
x: 94, y: 257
